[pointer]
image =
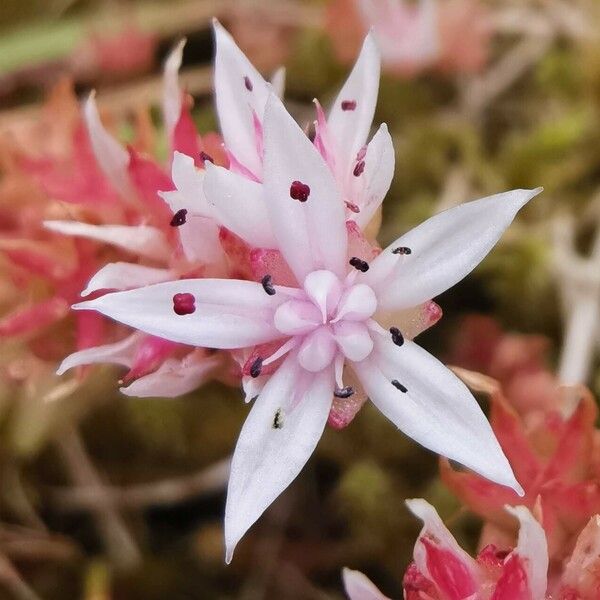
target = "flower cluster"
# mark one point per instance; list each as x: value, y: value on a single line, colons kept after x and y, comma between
x: 313, y: 311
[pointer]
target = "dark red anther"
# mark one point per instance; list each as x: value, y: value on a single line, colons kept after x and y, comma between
x: 299, y: 191
x: 184, y: 304
x: 348, y: 104
x: 179, y: 218
x: 399, y: 386
x: 352, y: 207
x: 248, y: 83
x: 256, y: 368
x: 359, y: 264
x: 204, y: 157
x: 359, y: 168
x: 402, y: 250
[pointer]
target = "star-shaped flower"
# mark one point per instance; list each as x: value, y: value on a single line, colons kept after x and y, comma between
x: 327, y: 323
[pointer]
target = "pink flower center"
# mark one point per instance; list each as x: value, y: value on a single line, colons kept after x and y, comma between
x: 328, y: 319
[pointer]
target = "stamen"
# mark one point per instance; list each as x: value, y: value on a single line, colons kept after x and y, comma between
x: 179, y: 218
x: 278, y: 419
x: 256, y: 367
x: 359, y: 265
x: 352, y: 207
x: 359, y: 169
x: 206, y: 157
x: 345, y: 392
x: 248, y: 83
x: 184, y: 304
x: 399, y: 386
x: 402, y: 250
x: 348, y: 104
x: 268, y: 285
x: 361, y: 154
x: 299, y: 191
x: 397, y: 336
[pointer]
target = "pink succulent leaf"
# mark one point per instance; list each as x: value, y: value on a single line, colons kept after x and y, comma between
x: 224, y: 313
x: 241, y: 92
x: 270, y: 262
x: 443, y: 250
x: 582, y: 572
x: 532, y: 552
x: 277, y: 439
x: 311, y: 233
x: 368, y: 190
x: 120, y: 353
x: 350, y: 118
x: 239, y: 205
x: 35, y: 317
x: 124, y: 276
x: 438, y: 411
x: 359, y: 587
x: 112, y: 158
x: 150, y: 353
x: 185, y: 136
x: 172, y: 97
x: 175, y: 377
x: 143, y: 240
x: 90, y: 328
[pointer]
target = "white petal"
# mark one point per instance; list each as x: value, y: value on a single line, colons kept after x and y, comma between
x: 229, y: 313
x: 437, y: 410
x: 445, y: 248
x: 317, y: 350
x: 200, y: 240
x: 354, y: 339
x: 239, y: 205
x: 278, y: 82
x: 112, y: 158
x: 350, y: 128
x: 189, y: 182
x: 267, y: 459
x: 172, y: 94
x: 312, y: 234
x: 120, y: 353
x: 434, y: 528
x: 357, y: 304
x: 533, y: 547
x: 143, y: 240
x: 122, y: 276
x: 370, y: 188
x: 359, y: 587
x: 236, y: 105
x: 174, y: 377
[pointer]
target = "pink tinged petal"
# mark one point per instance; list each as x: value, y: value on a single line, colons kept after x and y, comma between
x: 297, y: 317
x: 369, y: 190
x: 278, y: 437
x: 172, y: 95
x: 112, y: 158
x: 317, y: 351
x: 239, y: 205
x: 149, y: 355
x: 278, y: 82
x: 353, y: 339
x: 175, y: 377
x: 240, y: 93
x: 185, y: 136
x: 312, y: 233
x: 200, y: 240
x: 271, y: 262
x: 325, y: 290
x: 438, y: 556
x: 513, y: 583
x: 532, y: 552
x: 357, y: 304
x: 121, y: 353
x: 123, y: 276
x: 436, y: 409
x: 359, y: 587
x: 443, y: 250
x: 228, y: 313
x: 143, y: 240
x: 352, y: 113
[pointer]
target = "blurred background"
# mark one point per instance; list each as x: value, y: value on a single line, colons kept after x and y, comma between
x: 107, y: 497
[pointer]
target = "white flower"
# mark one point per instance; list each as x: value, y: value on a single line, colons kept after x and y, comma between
x: 329, y: 322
